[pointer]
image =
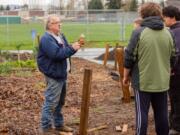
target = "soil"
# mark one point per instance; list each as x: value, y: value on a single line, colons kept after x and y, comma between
x: 21, y: 99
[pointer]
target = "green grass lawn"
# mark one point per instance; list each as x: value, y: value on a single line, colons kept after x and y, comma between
x: 97, y: 35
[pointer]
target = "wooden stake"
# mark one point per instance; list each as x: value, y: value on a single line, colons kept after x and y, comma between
x: 106, y: 55
x: 38, y: 39
x: 120, y: 60
x: 85, y: 102
x: 115, y: 60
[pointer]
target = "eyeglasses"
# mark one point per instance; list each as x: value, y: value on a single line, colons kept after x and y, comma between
x: 57, y: 23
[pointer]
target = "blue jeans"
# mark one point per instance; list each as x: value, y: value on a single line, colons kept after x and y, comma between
x: 54, y: 100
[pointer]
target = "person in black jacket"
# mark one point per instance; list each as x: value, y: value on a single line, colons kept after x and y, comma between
x: 171, y: 16
x: 53, y: 62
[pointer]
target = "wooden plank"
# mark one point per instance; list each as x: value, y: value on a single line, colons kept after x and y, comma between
x: 85, y: 102
x: 97, y: 128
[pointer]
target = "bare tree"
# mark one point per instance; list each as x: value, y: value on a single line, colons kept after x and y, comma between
x: 85, y: 3
x: 61, y: 5
x: 70, y: 5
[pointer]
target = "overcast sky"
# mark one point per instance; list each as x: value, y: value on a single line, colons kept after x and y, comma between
x: 20, y: 2
x: 6, y: 2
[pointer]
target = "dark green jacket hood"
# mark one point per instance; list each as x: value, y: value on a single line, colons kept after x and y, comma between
x: 153, y: 22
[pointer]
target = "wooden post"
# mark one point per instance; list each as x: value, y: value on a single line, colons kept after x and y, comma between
x: 38, y: 39
x: 120, y: 60
x: 85, y: 102
x: 115, y: 60
x: 106, y: 55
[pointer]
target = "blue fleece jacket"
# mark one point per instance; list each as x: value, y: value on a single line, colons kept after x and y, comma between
x: 52, y: 57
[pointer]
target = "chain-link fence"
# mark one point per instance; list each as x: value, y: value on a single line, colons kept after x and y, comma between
x: 21, y: 27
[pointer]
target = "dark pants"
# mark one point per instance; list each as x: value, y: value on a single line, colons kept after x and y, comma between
x: 174, y: 95
x: 159, y: 106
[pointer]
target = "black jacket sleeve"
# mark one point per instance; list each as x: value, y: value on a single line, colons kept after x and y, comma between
x: 131, y: 50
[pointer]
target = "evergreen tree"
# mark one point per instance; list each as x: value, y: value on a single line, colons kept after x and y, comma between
x: 95, y: 4
x: 113, y: 4
x: 162, y: 3
x: 1, y: 8
x: 25, y: 6
x: 7, y: 7
x: 143, y: 2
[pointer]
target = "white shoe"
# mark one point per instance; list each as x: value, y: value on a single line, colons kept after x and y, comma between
x: 174, y: 132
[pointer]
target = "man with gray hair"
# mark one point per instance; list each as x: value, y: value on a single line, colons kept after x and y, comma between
x: 53, y: 61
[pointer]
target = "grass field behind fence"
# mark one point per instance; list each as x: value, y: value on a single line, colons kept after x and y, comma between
x: 97, y: 35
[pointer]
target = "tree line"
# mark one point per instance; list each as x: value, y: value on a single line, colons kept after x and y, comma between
x: 113, y: 4
x: 128, y: 5
x: 4, y: 7
x: 95, y: 4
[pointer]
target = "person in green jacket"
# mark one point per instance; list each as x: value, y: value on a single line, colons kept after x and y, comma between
x: 147, y: 62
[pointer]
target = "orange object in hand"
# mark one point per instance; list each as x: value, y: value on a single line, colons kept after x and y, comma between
x: 81, y: 39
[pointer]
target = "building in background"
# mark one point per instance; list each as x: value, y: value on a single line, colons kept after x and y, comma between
x: 174, y: 3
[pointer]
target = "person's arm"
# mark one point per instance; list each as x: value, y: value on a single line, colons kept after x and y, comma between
x: 174, y: 50
x: 53, y: 51
x: 131, y: 54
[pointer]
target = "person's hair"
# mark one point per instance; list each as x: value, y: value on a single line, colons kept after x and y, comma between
x: 50, y: 19
x: 138, y: 21
x: 150, y: 9
x: 171, y: 11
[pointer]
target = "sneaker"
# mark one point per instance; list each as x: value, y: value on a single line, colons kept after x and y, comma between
x: 64, y: 129
x: 174, y: 132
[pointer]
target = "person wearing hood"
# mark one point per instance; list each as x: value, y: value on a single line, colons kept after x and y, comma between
x: 171, y: 15
x: 147, y: 63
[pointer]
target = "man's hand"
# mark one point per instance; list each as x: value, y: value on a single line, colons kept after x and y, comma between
x: 126, y: 81
x: 126, y: 77
x: 76, y: 46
